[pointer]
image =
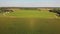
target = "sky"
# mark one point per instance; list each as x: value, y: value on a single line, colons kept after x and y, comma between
x: 29, y: 3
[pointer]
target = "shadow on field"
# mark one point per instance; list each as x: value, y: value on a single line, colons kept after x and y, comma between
x: 29, y: 26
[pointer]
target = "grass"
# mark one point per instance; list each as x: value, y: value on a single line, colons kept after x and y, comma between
x: 29, y: 22
x: 29, y: 26
x: 32, y: 14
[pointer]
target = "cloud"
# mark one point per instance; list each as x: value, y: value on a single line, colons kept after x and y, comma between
x: 30, y: 4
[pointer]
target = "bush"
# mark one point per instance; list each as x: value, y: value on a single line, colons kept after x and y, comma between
x: 55, y: 10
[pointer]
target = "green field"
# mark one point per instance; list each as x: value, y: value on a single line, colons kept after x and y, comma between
x: 32, y: 14
x: 29, y: 22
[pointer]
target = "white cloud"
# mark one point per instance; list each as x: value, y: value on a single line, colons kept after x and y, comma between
x: 33, y: 4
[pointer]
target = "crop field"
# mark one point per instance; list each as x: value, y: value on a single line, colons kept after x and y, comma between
x: 29, y: 22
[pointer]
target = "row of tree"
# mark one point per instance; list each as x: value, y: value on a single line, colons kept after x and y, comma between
x: 56, y: 10
x: 3, y: 10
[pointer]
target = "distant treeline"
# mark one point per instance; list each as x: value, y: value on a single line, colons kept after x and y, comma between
x: 29, y: 8
x: 50, y: 9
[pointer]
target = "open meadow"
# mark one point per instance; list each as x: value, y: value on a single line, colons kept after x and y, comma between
x: 29, y: 22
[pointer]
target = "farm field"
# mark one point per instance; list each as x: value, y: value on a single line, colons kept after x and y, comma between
x: 29, y: 22
x: 32, y: 14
